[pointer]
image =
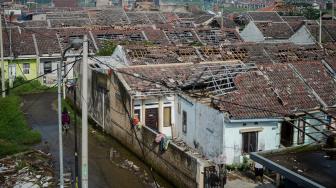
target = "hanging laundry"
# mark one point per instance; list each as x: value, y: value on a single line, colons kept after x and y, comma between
x: 163, y: 141
x: 136, y: 122
x: 159, y: 137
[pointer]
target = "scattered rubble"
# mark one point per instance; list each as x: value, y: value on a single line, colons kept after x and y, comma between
x: 31, y: 169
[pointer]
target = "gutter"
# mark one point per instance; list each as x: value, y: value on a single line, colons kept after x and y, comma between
x: 254, y: 120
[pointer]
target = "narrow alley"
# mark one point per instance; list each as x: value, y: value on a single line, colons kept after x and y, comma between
x: 110, y: 164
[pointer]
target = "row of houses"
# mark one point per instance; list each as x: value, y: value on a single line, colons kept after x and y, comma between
x: 219, y: 92
x: 34, y: 47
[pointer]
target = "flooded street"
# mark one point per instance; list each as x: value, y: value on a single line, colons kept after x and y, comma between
x: 110, y: 164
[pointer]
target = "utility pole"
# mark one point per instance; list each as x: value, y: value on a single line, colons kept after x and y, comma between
x: 333, y: 10
x: 60, y: 139
x: 64, y: 79
x: 320, y: 33
x: 3, y: 87
x: 75, y: 131
x: 85, y: 114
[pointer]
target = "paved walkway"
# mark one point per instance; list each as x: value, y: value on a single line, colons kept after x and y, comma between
x: 238, y: 181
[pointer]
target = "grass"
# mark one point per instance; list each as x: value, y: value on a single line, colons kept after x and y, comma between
x: 15, y: 135
x: 25, y: 88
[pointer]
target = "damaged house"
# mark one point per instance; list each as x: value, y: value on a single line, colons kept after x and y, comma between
x: 223, y: 116
x: 225, y: 109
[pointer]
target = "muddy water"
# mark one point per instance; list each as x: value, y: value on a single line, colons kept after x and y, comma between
x: 110, y: 164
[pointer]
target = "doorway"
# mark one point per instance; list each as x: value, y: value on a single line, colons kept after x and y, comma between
x: 152, y: 118
x: 12, y: 71
x: 287, y: 132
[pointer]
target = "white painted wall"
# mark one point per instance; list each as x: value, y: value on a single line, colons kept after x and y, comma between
x: 268, y: 138
x: 302, y: 36
x: 251, y: 33
x: 50, y: 78
x: 204, y: 127
x: 217, y: 138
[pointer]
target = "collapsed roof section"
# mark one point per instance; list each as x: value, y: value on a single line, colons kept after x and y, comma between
x: 239, y: 89
x: 202, y: 78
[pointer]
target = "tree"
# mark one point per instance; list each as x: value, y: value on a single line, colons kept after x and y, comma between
x: 107, y: 48
x: 310, y: 13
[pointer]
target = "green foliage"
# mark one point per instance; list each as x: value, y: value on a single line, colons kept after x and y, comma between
x: 24, y: 88
x: 310, y: 13
x: 196, y: 43
x: 15, y: 135
x: 244, y: 166
x: 107, y: 48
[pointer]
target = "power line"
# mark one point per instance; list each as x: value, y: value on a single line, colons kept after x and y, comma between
x: 28, y: 81
x: 34, y: 101
x: 220, y: 100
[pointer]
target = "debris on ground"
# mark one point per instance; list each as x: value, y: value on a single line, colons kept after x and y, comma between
x: 27, y: 169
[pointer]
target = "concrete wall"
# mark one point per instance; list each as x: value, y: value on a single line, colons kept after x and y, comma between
x: 251, y: 33
x: 204, y: 127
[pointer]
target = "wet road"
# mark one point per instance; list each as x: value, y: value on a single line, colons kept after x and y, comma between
x: 104, y: 171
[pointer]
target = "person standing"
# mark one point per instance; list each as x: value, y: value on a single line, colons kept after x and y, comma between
x: 65, y: 120
x: 258, y: 171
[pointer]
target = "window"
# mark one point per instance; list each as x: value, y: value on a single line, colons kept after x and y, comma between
x: 26, y: 67
x: 301, y: 135
x: 167, y: 116
x: 137, y: 114
x: 47, y: 67
x: 184, y: 121
x: 250, y: 142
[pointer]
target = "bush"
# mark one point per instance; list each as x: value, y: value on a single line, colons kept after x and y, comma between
x: 14, y: 132
x: 107, y: 48
x: 241, y: 167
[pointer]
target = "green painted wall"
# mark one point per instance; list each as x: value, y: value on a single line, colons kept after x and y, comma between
x: 19, y: 68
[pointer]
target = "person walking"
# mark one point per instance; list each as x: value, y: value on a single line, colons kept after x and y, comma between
x: 65, y: 120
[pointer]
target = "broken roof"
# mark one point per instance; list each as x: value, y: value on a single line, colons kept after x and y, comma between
x: 285, y: 88
x: 142, y: 55
x: 181, y: 76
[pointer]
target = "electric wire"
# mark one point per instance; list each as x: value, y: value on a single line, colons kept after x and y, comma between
x: 174, y: 89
